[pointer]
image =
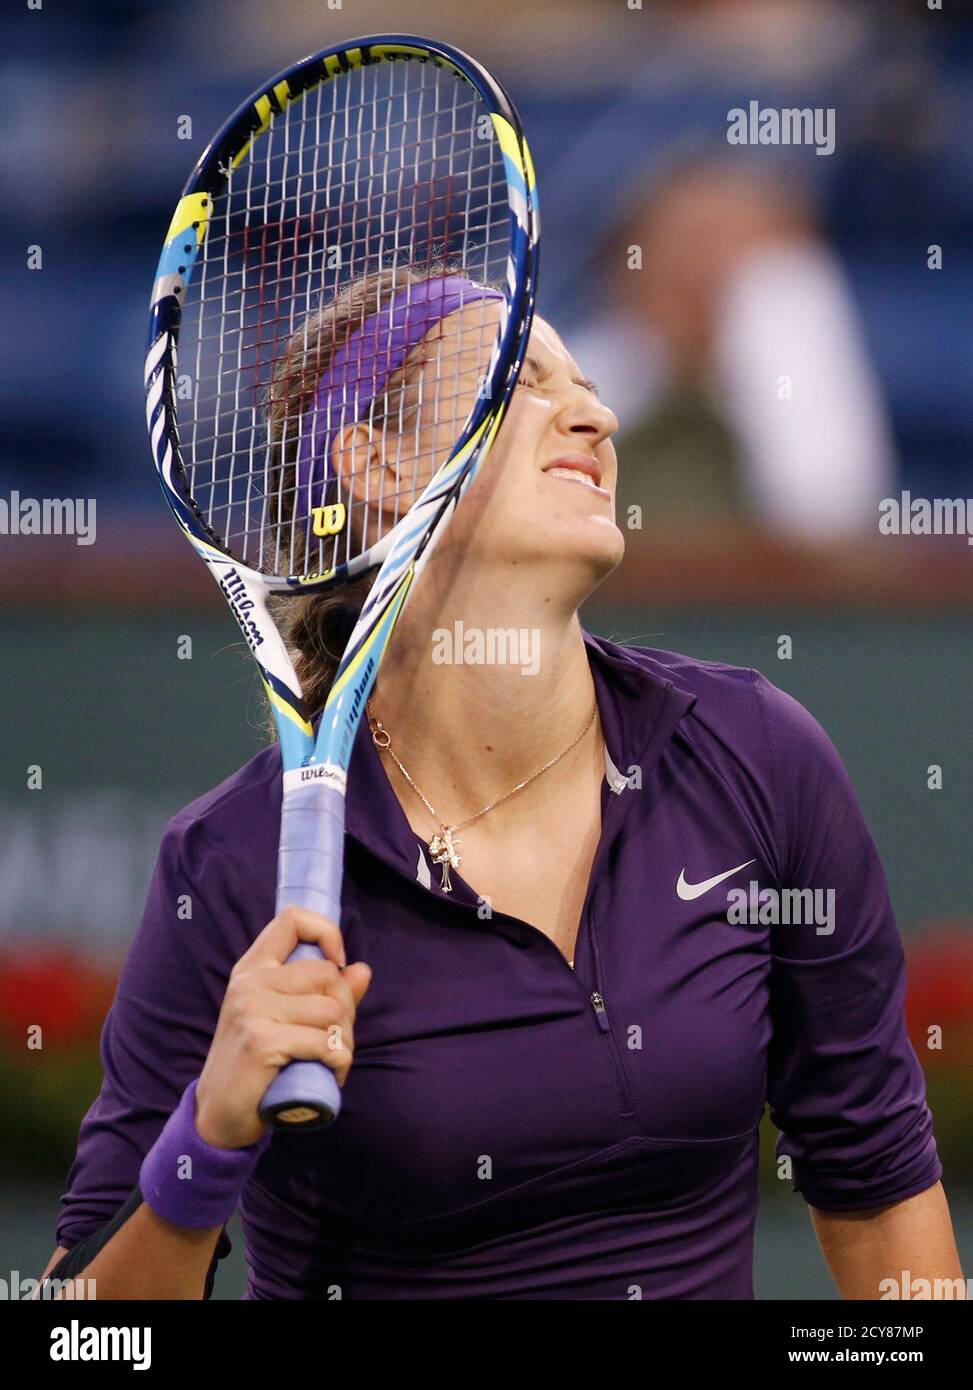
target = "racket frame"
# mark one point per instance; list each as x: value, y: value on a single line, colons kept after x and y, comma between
x: 315, y: 763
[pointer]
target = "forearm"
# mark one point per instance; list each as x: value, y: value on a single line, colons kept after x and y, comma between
x: 146, y: 1258
x: 870, y: 1251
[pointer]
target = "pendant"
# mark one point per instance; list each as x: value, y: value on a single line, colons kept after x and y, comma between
x: 442, y: 851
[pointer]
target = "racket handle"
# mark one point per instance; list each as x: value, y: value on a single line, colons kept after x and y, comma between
x: 304, y: 1094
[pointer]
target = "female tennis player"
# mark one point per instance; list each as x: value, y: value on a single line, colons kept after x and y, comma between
x: 555, y: 1035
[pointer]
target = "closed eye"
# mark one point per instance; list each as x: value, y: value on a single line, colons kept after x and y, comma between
x: 585, y: 382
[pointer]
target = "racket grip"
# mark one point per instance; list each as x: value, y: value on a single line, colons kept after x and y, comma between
x: 305, y: 1094
x: 310, y: 860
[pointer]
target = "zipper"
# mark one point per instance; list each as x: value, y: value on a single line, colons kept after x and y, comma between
x: 597, y: 1001
x: 595, y: 998
x: 601, y: 1013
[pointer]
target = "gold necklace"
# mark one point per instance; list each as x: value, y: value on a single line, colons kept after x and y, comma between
x: 443, y: 845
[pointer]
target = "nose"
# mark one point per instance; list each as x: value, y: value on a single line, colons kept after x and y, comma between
x: 582, y: 413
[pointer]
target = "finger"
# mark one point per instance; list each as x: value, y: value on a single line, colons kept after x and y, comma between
x: 311, y: 1010
x: 296, y: 1043
x: 328, y: 982
x: 298, y: 977
x: 357, y: 977
x: 291, y: 926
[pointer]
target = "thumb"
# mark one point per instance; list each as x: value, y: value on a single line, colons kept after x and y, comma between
x: 357, y: 976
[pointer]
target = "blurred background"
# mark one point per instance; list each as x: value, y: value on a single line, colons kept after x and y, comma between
x: 784, y: 334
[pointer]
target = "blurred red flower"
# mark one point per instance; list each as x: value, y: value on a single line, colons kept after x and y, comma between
x: 940, y: 978
x: 53, y: 988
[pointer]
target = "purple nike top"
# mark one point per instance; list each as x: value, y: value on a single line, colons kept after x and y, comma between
x: 513, y: 1128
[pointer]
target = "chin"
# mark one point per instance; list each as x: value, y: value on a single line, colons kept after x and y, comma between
x: 604, y: 550
x: 594, y: 542
x: 597, y: 537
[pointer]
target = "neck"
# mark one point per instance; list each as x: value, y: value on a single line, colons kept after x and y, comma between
x: 481, y: 690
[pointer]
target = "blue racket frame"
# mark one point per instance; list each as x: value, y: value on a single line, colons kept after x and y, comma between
x: 315, y: 766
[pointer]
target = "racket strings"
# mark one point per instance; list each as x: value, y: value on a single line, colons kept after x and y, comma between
x: 427, y: 150
x: 373, y: 181
x: 376, y: 494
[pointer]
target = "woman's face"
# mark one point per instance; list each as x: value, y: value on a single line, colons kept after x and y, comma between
x: 547, y: 489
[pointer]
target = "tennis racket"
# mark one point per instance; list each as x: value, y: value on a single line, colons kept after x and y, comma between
x: 337, y: 323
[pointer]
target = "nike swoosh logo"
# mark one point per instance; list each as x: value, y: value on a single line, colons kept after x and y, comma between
x: 689, y: 891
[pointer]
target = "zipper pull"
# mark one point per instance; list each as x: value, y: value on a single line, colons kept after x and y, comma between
x: 601, y: 1014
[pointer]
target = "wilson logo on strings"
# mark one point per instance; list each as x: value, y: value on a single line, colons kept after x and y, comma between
x: 328, y: 521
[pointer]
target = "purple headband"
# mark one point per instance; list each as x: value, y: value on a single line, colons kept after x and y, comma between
x: 362, y: 366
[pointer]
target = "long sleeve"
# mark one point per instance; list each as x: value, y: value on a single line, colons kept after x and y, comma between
x: 845, y: 1086
x: 199, y: 918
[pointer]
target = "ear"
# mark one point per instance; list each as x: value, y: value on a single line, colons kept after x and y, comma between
x: 358, y: 460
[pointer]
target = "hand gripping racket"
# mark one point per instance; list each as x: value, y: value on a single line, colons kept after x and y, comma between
x: 348, y: 280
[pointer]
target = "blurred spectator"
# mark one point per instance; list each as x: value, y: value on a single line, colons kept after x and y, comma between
x: 735, y: 360
x: 607, y: 93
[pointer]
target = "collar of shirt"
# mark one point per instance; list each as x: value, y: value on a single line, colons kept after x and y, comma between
x: 639, y: 709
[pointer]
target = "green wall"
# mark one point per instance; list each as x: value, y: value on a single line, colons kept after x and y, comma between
x: 126, y: 733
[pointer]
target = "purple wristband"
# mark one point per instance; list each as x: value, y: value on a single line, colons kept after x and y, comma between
x: 189, y: 1182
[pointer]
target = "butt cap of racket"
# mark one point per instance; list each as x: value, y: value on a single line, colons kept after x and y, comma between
x: 303, y: 1095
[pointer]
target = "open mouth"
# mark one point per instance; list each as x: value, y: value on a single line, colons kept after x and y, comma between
x: 573, y: 475
x: 578, y: 469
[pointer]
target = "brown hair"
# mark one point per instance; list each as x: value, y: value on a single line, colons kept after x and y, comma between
x: 316, y: 627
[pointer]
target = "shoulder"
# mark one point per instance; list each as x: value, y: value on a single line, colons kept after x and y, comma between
x: 783, y: 767
x: 737, y: 703
x: 238, y: 820
x: 754, y: 737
